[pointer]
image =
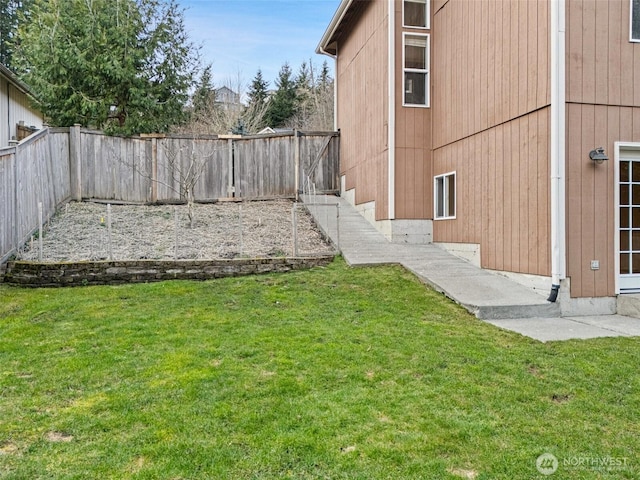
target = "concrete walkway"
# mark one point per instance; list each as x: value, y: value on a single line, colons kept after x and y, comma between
x: 489, y: 296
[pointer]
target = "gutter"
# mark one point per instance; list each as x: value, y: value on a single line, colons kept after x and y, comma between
x: 333, y: 26
x: 558, y: 149
x: 391, y: 128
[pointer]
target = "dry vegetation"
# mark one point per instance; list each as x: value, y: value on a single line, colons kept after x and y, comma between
x: 223, y: 230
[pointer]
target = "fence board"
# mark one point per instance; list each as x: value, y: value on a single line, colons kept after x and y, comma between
x: 36, y: 170
x: 7, y: 201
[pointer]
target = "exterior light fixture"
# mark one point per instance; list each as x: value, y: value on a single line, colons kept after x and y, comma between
x: 598, y: 155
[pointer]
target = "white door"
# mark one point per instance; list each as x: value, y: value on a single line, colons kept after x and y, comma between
x: 629, y: 219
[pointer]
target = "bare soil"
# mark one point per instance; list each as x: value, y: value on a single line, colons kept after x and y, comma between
x: 80, y: 231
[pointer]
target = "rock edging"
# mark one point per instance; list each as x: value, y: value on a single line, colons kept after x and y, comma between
x: 68, y: 274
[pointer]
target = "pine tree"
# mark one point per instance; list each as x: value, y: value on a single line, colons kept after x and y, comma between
x: 125, y: 66
x: 282, y: 106
x: 11, y: 12
x: 205, y: 95
x: 258, y: 90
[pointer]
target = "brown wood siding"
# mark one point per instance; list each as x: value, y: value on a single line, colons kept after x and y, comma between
x: 603, y: 100
x: 603, y: 67
x: 590, y: 193
x: 413, y: 165
x: 491, y: 125
x: 362, y: 67
x: 502, y: 183
x: 490, y: 64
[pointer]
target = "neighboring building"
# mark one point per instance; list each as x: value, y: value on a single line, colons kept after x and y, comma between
x: 227, y: 98
x: 18, y: 118
x: 471, y: 124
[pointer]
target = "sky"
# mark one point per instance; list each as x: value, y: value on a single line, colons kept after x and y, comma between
x: 238, y: 37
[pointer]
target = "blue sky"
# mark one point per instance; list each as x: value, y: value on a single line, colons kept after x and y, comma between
x: 242, y: 36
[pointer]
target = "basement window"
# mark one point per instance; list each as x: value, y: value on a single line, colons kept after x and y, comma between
x: 635, y: 20
x: 445, y: 196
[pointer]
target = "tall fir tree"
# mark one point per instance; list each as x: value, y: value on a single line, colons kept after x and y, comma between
x: 124, y: 66
x: 11, y: 14
x: 282, y: 106
x: 205, y: 95
x: 258, y: 90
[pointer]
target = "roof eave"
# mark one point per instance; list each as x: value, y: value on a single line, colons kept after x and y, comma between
x: 19, y: 84
x: 324, y: 47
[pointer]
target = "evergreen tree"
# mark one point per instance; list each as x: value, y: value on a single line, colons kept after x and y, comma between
x: 282, y: 106
x: 10, y: 13
x: 258, y: 90
x: 125, y: 66
x: 205, y: 95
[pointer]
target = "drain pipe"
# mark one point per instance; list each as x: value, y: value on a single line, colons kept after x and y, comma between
x: 558, y: 198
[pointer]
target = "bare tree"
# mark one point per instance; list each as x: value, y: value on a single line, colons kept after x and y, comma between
x: 315, y: 97
x: 223, y: 112
x: 187, y: 163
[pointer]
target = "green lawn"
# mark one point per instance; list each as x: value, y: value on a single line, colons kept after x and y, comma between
x: 334, y: 373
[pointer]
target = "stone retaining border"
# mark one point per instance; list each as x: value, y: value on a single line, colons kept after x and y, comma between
x: 69, y: 274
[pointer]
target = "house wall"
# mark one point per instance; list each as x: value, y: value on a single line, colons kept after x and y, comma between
x: 362, y: 113
x: 491, y: 123
x: 14, y: 107
x: 603, y: 106
x: 413, y: 166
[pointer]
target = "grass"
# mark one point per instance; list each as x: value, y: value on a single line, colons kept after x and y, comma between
x: 334, y: 373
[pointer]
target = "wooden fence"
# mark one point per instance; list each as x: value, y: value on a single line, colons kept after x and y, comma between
x: 35, y: 171
x: 55, y: 165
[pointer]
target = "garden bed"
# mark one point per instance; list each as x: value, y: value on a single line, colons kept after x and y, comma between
x: 80, y: 232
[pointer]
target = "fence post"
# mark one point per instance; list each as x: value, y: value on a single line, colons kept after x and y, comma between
x: 40, y: 221
x: 16, y: 219
x: 230, y: 188
x: 296, y: 154
x: 154, y: 169
x: 294, y: 227
x: 75, y: 162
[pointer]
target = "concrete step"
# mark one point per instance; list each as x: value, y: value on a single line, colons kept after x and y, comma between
x: 629, y: 305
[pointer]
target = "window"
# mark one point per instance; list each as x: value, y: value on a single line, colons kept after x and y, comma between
x: 445, y: 196
x: 416, y: 70
x: 635, y: 20
x: 416, y: 13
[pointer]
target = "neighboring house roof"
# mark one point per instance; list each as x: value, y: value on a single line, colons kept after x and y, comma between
x: 19, y: 84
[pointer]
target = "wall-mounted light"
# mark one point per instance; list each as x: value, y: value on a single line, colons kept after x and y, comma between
x: 598, y: 155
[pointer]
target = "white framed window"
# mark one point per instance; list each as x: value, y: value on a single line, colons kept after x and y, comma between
x: 634, y: 27
x: 415, y: 13
x: 415, y: 60
x: 444, y: 193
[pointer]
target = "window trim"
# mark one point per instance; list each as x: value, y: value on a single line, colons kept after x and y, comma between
x: 427, y: 13
x: 447, y: 215
x: 426, y: 71
x: 631, y: 39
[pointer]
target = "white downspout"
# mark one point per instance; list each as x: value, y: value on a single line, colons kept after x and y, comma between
x: 558, y: 132
x: 391, y: 128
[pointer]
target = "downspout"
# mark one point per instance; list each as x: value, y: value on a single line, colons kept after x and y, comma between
x: 391, y: 127
x: 558, y: 132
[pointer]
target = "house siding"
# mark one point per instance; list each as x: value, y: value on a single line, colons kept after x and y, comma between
x: 603, y: 106
x: 14, y: 108
x: 362, y: 113
x: 413, y: 159
x: 491, y: 124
